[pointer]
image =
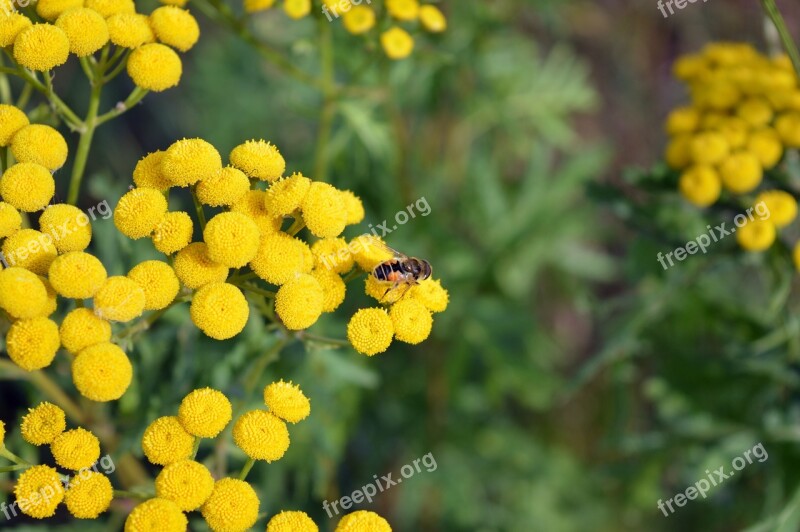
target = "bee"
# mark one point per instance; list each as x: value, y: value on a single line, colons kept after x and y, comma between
x: 401, y: 270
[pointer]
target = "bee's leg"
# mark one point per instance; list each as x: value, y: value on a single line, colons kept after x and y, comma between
x: 394, y: 285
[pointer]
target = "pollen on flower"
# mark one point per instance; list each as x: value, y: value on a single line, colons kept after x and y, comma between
x: 187, y: 161
x: 232, y: 239
x: 147, y: 173
x: 194, y: 269
x: 165, y: 441
x: 11, y: 25
x: 86, y: 30
x: 258, y: 159
x: 158, y: 281
x: 43, y: 423
x: 299, y: 302
x: 29, y: 486
x: 205, y: 412
x: 102, y: 372
x: 155, y: 67
x: 156, y: 514
x: 32, y: 343
x: 431, y: 294
x: 412, y: 321
x: 173, y: 233
x: 75, y: 449
x: 81, y: 328
x: 130, y: 30
x: 370, y: 331
x: 233, y: 505
x: 332, y: 254
x: 220, y: 310
x: 324, y: 210
x: 333, y: 288
x: 27, y: 186
x: 186, y: 483
x: 175, y: 27
x: 287, y: 401
x: 139, y: 212
x: 77, y: 275
x: 225, y: 187
x: 280, y: 258
x: 89, y: 496
x: 286, y: 195
x: 261, y: 435
x: 253, y: 205
x: 41, y: 47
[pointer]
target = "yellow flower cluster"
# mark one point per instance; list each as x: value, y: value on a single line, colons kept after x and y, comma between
x: 744, y: 113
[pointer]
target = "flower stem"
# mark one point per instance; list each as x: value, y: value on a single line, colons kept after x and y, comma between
x: 4, y: 452
x: 196, y: 446
x: 246, y: 469
x: 122, y: 494
x: 201, y: 215
x: 84, y: 144
x: 775, y: 16
x: 329, y: 96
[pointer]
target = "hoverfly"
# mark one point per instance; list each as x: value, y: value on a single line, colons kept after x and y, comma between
x: 401, y: 270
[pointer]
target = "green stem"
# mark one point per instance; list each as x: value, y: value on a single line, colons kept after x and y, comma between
x: 9, y: 469
x: 255, y: 290
x: 355, y: 273
x: 246, y: 469
x: 5, y: 85
x: 297, y: 225
x: 3, y: 158
x: 201, y: 215
x: 196, y: 446
x: 123, y: 494
x: 317, y: 338
x: 329, y: 97
x: 133, y: 98
x: 84, y: 144
x: 783, y: 31
x: 116, y: 70
x: 24, y: 96
x: 263, y: 361
x: 146, y: 323
x: 4, y: 452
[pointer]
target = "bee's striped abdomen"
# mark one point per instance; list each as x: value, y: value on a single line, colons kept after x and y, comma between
x: 383, y: 272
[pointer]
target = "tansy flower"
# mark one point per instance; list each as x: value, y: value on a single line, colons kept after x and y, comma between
x: 119, y: 299
x: 32, y: 343
x: 194, y: 269
x: 431, y: 294
x: 353, y: 207
x: 41, y: 47
x: 10, y: 220
x: 735, y: 130
x: 102, y: 372
x: 158, y: 281
x: 360, y: 19
x: 32, y: 484
x: 700, y: 185
x: 27, y: 186
x: 108, y: 8
x: 432, y: 19
x: 22, y: 293
x: 51, y: 9
x: 30, y: 249
x: 332, y: 254
x: 179, y: 3
x: 220, y: 310
x: 155, y: 67
x: 324, y: 210
x: 286, y: 195
x: 782, y: 206
x: 175, y: 26
x: 225, y: 187
x: 253, y: 6
x: 258, y: 159
x: 297, y: 9
x: 76, y: 449
x: 81, y: 329
x: 187, y: 161
x: 708, y: 148
x: 130, y: 30
x: 333, y: 288
x: 298, y: 302
x: 381, y: 290
x: 363, y: 521
x: 173, y: 233
x: 412, y: 321
x: 756, y: 111
x: 756, y: 235
x: 369, y: 251
x: 232, y: 239
x: 77, y: 275
x: 186, y: 483
x: 677, y: 153
x: 403, y: 9
x: 86, y: 30
x: 788, y: 127
x: 165, y: 441
x: 280, y: 258
x: 89, y: 495
x: 233, y: 506
x: 766, y: 145
x: 12, y: 25
x: 287, y: 401
x: 741, y: 172
x: 156, y: 514
x: 370, y: 331
x: 261, y: 435
x: 253, y: 205
x: 11, y: 118
x: 397, y: 43
x: 205, y: 412
x: 43, y: 423
x: 681, y: 120
x: 139, y: 212
x: 68, y: 226
x: 147, y: 173
x: 292, y: 522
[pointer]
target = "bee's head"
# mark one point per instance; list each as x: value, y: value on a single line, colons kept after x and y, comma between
x: 425, y: 270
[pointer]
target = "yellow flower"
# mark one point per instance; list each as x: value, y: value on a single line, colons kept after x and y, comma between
x: 179, y: 3
x: 31, y: 250
x: 27, y: 186
x: 384, y: 292
x: 258, y: 159
x: 286, y: 195
x: 287, y: 401
x: 11, y: 118
x: 233, y: 506
x: 52, y: 298
x: 766, y: 145
x: 232, y: 239
x: 291, y: 522
x: 431, y: 294
x: 81, y: 329
x: 159, y: 282
x: 119, y: 299
x: 39, y: 491
x: 139, y: 212
x: 147, y: 173
x: 709, y: 148
x: 324, y: 210
x: 186, y: 483
x: 77, y: 275
x: 68, y: 226
x: 403, y: 9
x: 397, y: 43
x: 682, y: 120
x: 332, y: 254
x: 130, y: 30
x: 187, y: 161
x: 432, y: 19
x: 756, y: 111
x: 10, y: 220
x: 165, y: 441
x: 741, y: 172
x: 297, y: 9
x: 155, y: 67
x: 195, y: 269
x: 353, y: 206
x: 205, y: 412
x: 220, y: 310
x: 756, y: 235
x: 412, y: 321
x: 359, y: 20
x: 370, y: 331
x: 76, y: 449
x: 677, y: 153
x: 32, y: 343
x: 173, y: 233
x: 156, y: 514
x: 89, y: 494
x: 735, y: 130
x: 253, y: 6
x: 369, y: 251
x: 796, y: 256
x: 225, y: 187
x: 43, y: 423
x: 298, y: 302
x: 109, y: 8
x: 2, y: 434
x: 333, y: 289
x: 11, y: 26
x: 261, y: 435
x: 22, y: 293
x: 788, y: 128
x: 51, y: 9
x: 253, y: 205
x: 86, y: 30
x: 102, y: 372
x: 363, y: 521
x: 280, y: 258
x: 175, y: 26
x: 41, y: 47
x: 782, y: 206
x: 700, y: 185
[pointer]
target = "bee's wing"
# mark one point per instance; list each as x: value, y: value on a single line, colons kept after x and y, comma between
x: 384, y: 246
